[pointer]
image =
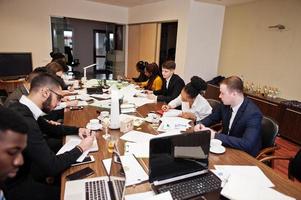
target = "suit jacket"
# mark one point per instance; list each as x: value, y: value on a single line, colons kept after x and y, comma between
x: 16, y: 95
x: 38, y: 153
x: 245, y: 132
x: 174, y: 89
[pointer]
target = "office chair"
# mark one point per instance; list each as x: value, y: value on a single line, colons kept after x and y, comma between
x: 294, y: 165
x: 269, y: 131
x: 215, y: 104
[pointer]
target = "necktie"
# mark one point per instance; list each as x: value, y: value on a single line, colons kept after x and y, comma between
x: 229, y: 119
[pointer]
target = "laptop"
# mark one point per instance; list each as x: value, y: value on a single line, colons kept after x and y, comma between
x: 110, y: 187
x: 179, y: 164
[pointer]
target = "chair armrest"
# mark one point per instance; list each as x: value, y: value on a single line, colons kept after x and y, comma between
x: 265, y: 151
x: 276, y: 158
x: 217, y: 127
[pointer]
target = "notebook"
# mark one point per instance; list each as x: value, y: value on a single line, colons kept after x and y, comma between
x: 179, y: 164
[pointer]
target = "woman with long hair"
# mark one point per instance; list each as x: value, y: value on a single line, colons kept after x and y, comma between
x: 155, y: 80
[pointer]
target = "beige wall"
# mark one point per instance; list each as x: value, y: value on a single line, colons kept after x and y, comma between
x: 25, y: 25
x: 259, y: 54
x: 198, y: 37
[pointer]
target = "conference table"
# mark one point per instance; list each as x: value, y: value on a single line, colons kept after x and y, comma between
x: 231, y: 157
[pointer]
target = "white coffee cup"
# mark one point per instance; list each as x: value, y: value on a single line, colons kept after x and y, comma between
x: 215, y: 142
x: 94, y: 122
x: 104, y: 114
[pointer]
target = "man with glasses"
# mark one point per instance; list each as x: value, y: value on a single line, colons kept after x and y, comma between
x: 41, y: 163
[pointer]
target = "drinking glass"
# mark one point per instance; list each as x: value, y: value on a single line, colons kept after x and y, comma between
x: 105, y: 124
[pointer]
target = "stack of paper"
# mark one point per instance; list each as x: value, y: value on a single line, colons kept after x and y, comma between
x: 247, y: 183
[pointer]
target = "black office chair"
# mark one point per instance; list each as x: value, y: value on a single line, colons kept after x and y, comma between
x: 294, y: 165
x: 269, y: 131
x: 215, y: 104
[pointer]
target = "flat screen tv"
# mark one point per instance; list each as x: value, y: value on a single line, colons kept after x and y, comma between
x: 15, y: 65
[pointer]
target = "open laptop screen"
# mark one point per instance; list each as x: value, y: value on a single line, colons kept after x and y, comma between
x: 178, y: 155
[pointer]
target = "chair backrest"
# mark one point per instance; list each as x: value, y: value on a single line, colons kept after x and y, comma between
x: 295, y: 166
x: 269, y: 131
x: 215, y: 104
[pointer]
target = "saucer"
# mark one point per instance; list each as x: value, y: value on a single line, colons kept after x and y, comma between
x: 94, y: 128
x: 218, y: 149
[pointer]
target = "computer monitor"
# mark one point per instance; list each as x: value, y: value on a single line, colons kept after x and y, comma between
x: 15, y: 65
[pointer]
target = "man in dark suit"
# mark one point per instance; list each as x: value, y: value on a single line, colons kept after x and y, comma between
x: 172, y: 85
x: 40, y: 162
x: 240, y: 117
x: 13, y: 137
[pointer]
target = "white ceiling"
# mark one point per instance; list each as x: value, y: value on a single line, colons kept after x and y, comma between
x: 132, y: 3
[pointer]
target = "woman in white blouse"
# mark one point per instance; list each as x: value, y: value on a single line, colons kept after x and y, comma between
x: 194, y: 105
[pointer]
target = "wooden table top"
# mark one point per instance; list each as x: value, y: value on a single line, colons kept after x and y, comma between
x: 231, y: 157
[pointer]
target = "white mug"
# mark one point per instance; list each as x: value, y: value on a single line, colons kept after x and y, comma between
x: 104, y: 114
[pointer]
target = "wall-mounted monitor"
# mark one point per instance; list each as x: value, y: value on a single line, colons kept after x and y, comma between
x: 15, y: 65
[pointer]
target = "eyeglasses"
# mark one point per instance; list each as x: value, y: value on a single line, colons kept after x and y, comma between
x: 59, y: 97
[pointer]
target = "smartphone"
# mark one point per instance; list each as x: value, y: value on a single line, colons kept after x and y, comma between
x: 80, y: 174
x: 87, y: 159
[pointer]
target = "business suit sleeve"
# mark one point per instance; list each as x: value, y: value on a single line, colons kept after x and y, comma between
x: 175, y: 91
x: 42, y: 156
x: 56, y: 130
x: 212, y: 119
x: 250, y: 137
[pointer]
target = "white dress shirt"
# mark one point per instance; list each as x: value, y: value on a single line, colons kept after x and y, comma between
x: 36, y: 111
x: 167, y: 81
x: 234, y: 111
x: 200, y: 107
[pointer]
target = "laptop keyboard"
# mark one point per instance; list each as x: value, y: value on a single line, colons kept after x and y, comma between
x: 96, y: 190
x: 118, y: 187
x: 192, y: 187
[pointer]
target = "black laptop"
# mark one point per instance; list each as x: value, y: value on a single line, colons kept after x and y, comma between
x: 179, y: 164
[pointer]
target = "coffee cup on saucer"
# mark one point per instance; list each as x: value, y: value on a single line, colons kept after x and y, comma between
x: 216, y: 146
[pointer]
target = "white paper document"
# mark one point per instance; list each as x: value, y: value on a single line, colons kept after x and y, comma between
x: 252, y: 174
x: 149, y: 196
x: 173, y: 124
x: 139, y: 196
x: 238, y: 189
x: 69, y: 146
x: 93, y: 148
x: 140, y: 150
x: 246, y: 183
x: 172, y: 113
x: 134, y: 172
x: 137, y: 136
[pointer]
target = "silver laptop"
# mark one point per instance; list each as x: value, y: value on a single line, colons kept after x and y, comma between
x: 110, y: 187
